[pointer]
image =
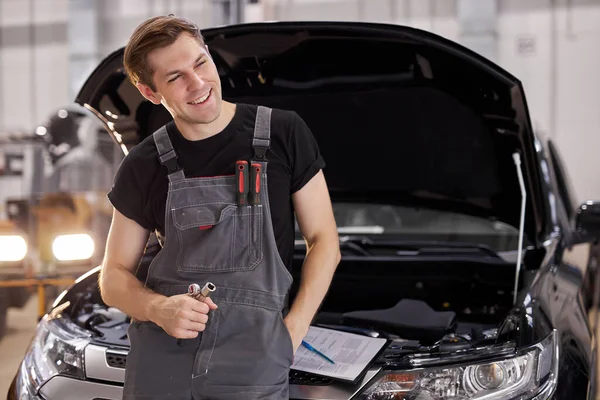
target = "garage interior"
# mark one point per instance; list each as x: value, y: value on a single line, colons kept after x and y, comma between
x: 49, y: 48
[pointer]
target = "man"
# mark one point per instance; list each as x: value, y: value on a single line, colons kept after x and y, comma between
x: 181, y: 183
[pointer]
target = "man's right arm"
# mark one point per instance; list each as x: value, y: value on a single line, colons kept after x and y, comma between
x: 180, y: 316
x: 118, y: 284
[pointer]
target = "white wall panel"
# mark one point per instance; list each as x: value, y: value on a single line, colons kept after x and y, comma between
x: 524, y: 50
x: 555, y: 54
x: 49, y: 11
x: 422, y: 14
x: 340, y: 10
x: 255, y: 13
x: 445, y: 22
x: 16, y: 82
x: 14, y: 12
x: 82, y: 32
x: 378, y: 10
x: 131, y: 8
x: 51, y: 80
x: 578, y: 110
x: 200, y: 12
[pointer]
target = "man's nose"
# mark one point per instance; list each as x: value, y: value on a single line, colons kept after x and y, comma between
x: 196, y: 82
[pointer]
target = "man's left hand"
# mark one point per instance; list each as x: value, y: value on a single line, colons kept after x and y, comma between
x: 297, y: 331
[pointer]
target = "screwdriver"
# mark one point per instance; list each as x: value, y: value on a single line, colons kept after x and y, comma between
x: 241, y: 182
x: 255, y: 184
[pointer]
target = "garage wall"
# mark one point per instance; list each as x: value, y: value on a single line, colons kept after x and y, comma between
x: 97, y: 28
x: 435, y: 15
x: 551, y: 45
x: 33, y: 60
x: 47, y: 48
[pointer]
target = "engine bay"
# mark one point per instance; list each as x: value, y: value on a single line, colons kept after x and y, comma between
x: 433, y: 305
x: 411, y: 324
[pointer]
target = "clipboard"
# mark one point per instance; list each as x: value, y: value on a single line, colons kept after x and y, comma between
x: 353, y: 354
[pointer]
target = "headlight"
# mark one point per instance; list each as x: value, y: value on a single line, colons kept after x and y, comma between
x: 12, y: 248
x: 56, y: 349
x: 531, y: 374
x: 73, y: 247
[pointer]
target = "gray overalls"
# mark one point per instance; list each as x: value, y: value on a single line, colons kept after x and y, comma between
x: 245, y: 351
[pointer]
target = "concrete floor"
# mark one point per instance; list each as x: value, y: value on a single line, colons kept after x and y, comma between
x: 21, y: 327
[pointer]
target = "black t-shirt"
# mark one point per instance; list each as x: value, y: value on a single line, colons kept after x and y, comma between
x: 140, y: 187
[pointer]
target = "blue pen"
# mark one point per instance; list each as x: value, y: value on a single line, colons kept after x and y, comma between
x: 308, y: 346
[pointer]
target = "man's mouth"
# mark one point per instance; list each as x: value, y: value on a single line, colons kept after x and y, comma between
x: 201, y: 99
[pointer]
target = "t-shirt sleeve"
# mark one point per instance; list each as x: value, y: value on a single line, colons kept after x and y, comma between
x: 126, y: 195
x: 306, y: 156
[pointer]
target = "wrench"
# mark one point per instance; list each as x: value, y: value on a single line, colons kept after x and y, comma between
x: 195, y: 291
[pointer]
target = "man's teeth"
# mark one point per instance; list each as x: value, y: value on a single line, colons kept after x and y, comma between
x: 201, y: 99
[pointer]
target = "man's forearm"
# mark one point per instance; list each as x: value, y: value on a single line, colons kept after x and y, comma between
x: 123, y: 290
x: 317, y: 272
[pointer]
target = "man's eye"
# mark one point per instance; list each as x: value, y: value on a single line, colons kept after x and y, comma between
x: 174, y: 78
x: 201, y: 63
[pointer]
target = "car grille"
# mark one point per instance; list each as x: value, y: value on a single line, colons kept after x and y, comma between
x: 115, y: 360
x: 304, y: 378
x: 118, y: 360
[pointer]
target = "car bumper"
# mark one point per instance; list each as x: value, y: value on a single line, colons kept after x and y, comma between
x: 64, y: 388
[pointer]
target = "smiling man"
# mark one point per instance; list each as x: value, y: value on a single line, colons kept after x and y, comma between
x: 181, y: 183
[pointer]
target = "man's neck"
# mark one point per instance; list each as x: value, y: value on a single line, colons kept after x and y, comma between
x: 202, y: 131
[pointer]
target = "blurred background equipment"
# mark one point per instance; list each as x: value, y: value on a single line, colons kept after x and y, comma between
x: 14, y: 266
x: 55, y: 215
x: 21, y: 169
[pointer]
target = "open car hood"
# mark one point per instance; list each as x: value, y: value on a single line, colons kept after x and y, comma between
x: 401, y: 115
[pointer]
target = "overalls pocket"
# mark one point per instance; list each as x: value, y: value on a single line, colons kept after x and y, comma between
x: 218, y: 237
x: 156, y: 366
x: 245, y: 346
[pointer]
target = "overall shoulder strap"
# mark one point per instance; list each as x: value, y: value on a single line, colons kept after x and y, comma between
x: 262, y: 133
x: 167, y: 155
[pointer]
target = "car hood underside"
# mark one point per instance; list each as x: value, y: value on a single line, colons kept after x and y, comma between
x: 400, y: 115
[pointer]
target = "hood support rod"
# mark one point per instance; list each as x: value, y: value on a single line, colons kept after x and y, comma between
x: 517, y: 160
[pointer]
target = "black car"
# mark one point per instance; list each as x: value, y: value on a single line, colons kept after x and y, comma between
x: 453, y: 218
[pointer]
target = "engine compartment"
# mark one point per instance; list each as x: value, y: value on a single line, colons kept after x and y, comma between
x: 435, y: 299
x: 433, y: 307
x: 476, y: 289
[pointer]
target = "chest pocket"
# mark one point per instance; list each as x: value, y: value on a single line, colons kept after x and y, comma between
x: 218, y: 237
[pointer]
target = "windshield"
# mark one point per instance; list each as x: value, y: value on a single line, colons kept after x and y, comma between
x: 411, y: 223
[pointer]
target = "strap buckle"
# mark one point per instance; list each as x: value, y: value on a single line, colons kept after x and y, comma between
x: 169, y: 159
x: 172, y: 165
x: 261, y: 146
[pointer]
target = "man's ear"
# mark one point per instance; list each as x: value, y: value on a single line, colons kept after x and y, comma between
x: 148, y: 93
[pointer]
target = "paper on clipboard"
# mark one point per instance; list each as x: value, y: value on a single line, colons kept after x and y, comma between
x: 352, y: 353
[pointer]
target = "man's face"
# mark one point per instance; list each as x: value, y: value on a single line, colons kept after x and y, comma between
x: 186, y: 80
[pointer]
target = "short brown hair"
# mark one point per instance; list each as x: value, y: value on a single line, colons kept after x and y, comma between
x: 152, y: 34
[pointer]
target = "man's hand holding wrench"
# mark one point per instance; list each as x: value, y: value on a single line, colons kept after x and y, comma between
x: 184, y: 315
